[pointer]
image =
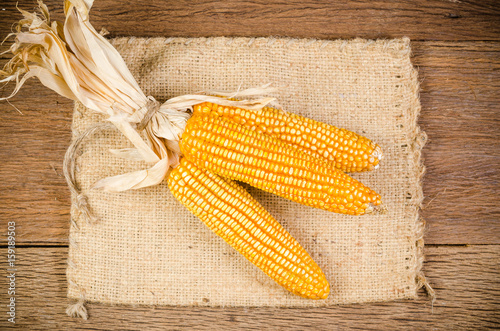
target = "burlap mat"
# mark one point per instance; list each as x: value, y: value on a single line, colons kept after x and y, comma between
x: 146, y: 248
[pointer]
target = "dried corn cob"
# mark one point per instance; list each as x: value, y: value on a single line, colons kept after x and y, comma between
x: 231, y: 150
x: 346, y: 150
x: 231, y: 212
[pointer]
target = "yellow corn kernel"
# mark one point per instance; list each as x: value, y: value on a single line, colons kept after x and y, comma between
x: 326, y: 185
x: 245, y: 225
x: 346, y: 150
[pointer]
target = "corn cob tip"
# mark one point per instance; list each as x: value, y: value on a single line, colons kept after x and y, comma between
x: 377, y: 152
x: 377, y: 155
x: 379, y: 209
x: 326, y: 292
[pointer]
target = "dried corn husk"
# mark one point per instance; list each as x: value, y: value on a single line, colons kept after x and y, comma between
x: 77, y: 62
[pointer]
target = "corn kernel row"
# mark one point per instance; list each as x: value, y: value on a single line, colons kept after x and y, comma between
x: 233, y: 214
x: 234, y: 151
x: 346, y: 150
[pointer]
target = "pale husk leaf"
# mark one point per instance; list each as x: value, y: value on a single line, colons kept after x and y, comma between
x: 77, y: 62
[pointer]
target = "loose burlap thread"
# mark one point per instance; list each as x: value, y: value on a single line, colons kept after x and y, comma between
x: 144, y: 247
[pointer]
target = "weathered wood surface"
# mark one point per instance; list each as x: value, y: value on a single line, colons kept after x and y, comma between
x: 456, y: 48
x: 465, y: 278
x: 460, y: 113
x: 460, y: 99
x: 423, y: 20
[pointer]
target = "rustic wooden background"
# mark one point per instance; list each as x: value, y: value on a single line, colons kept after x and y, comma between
x: 456, y: 47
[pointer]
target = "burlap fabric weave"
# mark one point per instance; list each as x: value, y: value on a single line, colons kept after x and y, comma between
x: 146, y: 248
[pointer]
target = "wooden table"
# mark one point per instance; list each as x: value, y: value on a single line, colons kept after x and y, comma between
x: 456, y: 47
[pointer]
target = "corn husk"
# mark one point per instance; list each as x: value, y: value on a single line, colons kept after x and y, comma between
x: 77, y: 62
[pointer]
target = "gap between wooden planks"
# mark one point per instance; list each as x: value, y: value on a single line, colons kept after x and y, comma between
x: 460, y: 113
x: 465, y: 278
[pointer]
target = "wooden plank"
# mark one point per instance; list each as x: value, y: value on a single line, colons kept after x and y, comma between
x: 462, y: 155
x: 459, y: 83
x: 461, y: 189
x: 465, y: 278
x: 33, y: 192
x: 422, y: 20
x: 461, y: 115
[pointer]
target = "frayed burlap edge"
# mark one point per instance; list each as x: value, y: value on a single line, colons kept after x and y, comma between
x: 418, y: 137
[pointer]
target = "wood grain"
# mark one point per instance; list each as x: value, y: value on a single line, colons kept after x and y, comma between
x: 462, y: 156
x: 461, y: 116
x: 420, y: 20
x: 457, y: 51
x: 465, y: 278
x: 33, y: 192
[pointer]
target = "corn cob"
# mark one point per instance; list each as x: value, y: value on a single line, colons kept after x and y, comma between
x: 346, y: 150
x: 231, y: 212
x: 231, y: 150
